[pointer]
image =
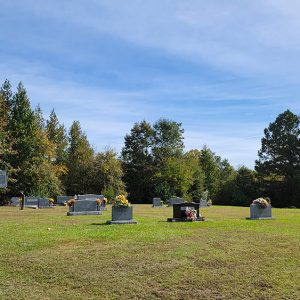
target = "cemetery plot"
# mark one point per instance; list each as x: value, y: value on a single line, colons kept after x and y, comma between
x: 186, y: 212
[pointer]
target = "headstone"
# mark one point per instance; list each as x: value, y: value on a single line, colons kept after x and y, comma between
x: 84, y: 207
x: 15, y: 201
x: 44, y: 203
x: 182, y: 212
x: 203, y: 201
x: 176, y: 200
x: 89, y: 196
x: 3, y: 179
x: 62, y: 200
x: 156, y: 202
x: 31, y: 202
x: 93, y: 197
x: 260, y: 213
x: 122, y: 215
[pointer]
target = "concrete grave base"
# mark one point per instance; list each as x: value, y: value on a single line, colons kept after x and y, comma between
x: 83, y: 213
x: 31, y: 206
x: 185, y: 220
x: 122, y: 222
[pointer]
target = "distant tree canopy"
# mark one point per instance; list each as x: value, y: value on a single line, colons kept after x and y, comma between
x: 42, y: 158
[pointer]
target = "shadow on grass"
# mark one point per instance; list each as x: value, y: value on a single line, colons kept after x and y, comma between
x: 99, y: 224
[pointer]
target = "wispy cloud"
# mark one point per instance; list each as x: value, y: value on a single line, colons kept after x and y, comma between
x: 225, y: 69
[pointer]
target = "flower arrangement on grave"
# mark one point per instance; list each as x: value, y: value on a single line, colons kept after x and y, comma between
x: 191, y: 214
x: 71, y: 202
x: 51, y: 201
x: 262, y: 202
x: 121, y: 201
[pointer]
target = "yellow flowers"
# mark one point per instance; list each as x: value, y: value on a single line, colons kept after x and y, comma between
x: 121, y: 201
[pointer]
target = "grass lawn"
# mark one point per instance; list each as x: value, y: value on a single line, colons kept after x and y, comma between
x: 46, y: 255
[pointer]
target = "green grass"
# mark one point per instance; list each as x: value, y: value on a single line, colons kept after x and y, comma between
x: 46, y: 255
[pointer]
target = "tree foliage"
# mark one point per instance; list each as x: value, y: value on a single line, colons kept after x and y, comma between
x: 279, y: 159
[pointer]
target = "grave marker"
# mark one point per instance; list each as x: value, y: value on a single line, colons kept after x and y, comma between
x: 186, y: 212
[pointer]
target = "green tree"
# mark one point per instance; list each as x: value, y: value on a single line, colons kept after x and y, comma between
x: 210, y: 164
x: 23, y: 128
x: 175, y: 177
x: 56, y: 133
x: 80, y: 162
x: 279, y: 159
x: 6, y: 152
x: 167, y: 140
x: 35, y: 174
x: 137, y: 161
x: 240, y: 188
x: 108, y: 174
x: 197, y: 187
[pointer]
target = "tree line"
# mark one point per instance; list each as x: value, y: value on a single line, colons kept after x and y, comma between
x: 42, y: 158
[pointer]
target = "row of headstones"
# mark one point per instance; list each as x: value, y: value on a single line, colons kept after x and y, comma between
x: 88, y: 205
x: 83, y: 203
x: 156, y: 202
x: 256, y: 212
x: 179, y: 212
x: 32, y: 202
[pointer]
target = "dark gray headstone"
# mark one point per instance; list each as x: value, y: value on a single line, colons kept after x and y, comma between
x: 3, y: 179
x: 89, y: 196
x: 15, y: 201
x: 179, y: 211
x: 156, y: 202
x: 32, y: 202
x: 44, y: 203
x: 84, y: 207
x: 260, y: 213
x: 176, y: 200
x: 122, y: 215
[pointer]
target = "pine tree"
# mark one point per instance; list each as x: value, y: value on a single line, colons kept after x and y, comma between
x: 6, y: 142
x: 56, y: 134
x: 137, y: 161
x: 80, y: 162
x: 279, y: 160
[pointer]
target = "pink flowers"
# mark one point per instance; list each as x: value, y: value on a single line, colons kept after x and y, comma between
x: 191, y: 214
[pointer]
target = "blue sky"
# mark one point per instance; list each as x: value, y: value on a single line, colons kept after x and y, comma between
x: 224, y: 69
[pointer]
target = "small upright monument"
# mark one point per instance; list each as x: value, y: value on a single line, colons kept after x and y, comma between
x: 186, y: 212
x: 261, y: 209
x: 3, y: 179
x: 122, y: 212
x: 203, y: 200
x: 156, y: 202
